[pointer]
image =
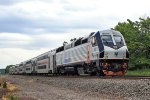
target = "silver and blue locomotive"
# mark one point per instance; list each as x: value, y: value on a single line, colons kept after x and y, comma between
x: 100, y: 53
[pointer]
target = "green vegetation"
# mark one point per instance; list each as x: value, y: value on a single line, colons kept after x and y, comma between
x: 4, y: 84
x: 7, y: 68
x: 137, y: 36
x: 145, y: 72
x: 11, y: 97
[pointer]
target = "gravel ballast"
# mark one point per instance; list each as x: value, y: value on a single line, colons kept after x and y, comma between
x: 70, y: 88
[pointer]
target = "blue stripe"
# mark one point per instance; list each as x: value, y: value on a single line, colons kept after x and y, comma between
x: 99, y: 42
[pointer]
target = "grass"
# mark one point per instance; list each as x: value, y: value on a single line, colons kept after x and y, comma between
x: 142, y: 72
x: 9, y: 97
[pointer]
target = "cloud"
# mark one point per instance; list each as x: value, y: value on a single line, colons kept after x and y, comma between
x: 42, y: 17
x: 12, y: 2
x: 9, y: 2
x: 35, y: 42
x: 9, y: 40
x: 11, y: 56
x: 73, y: 6
x: 15, y: 23
x: 21, y: 24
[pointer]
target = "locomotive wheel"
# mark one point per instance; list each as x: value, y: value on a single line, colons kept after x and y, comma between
x: 100, y: 73
x: 62, y: 71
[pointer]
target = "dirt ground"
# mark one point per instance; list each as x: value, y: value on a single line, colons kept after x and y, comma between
x: 51, y: 88
x: 30, y: 88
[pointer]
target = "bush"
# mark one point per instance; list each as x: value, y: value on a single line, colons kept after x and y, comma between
x: 139, y: 67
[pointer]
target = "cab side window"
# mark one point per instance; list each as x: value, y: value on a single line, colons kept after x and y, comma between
x: 93, y: 41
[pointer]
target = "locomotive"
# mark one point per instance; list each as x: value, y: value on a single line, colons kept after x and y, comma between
x: 102, y: 53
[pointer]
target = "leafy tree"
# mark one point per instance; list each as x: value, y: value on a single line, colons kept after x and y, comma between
x: 137, y: 36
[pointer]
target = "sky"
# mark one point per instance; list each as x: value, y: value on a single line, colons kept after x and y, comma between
x: 31, y: 27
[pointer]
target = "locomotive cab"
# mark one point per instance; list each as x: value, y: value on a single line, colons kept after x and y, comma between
x: 112, y: 53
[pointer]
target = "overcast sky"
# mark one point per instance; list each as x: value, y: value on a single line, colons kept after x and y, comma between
x: 31, y: 27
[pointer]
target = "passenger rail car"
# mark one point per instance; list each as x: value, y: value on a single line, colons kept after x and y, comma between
x: 20, y: 68
x: 100, y: 53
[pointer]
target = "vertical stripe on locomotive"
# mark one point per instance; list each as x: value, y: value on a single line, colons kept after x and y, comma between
x: 100, y: 44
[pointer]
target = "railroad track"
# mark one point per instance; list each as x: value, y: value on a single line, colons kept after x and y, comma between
x: 136, y: 77
x: 94, y: 77
x: 125, y: 77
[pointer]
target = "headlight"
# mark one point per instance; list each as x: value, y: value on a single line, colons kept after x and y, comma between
x: 127, y: 54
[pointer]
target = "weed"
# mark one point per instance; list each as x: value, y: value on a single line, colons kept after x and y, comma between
x: 4, y: 84
x: 11, y: 97
x: 4, y: 97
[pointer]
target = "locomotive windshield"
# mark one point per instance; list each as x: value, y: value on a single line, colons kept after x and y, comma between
x: 107, y: 40
x: 110, y: 41
x: 118, y: 39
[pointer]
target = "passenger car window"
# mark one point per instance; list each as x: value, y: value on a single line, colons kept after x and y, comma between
x: 93, y: 41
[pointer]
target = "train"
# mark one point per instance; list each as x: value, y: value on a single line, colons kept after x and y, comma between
x: 102, y: 53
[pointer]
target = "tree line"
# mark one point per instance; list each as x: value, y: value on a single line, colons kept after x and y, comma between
x: 137, y: 36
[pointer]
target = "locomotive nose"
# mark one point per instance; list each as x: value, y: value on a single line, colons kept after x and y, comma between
x: 111, y: 53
